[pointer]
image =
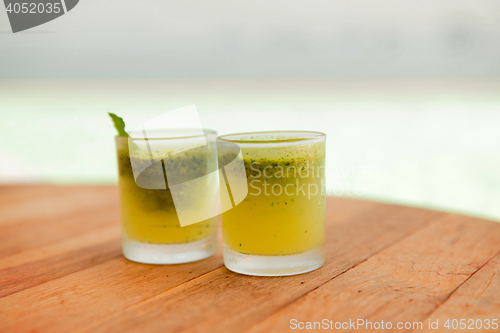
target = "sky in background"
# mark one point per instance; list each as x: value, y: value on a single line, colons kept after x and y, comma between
x: 259, y: 39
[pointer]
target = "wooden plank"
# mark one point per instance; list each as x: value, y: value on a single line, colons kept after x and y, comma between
x: 405, y: 261
x: 63, y: 201
x: 403, y: 283
x: 222, y: 301
x: 78, y: 300
x: 17, y: 237
x: 13, y: 193
x: 70, y: 244
x: 51, y: 239
x: 47, y: 263
x: 46, y: 219
x: 477, y: 298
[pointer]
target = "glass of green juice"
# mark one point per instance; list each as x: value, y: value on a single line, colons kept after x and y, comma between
x: 279, y: 228
x: 159, y: 177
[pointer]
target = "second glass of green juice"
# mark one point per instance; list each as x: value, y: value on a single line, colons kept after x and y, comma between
x: 279, y: 228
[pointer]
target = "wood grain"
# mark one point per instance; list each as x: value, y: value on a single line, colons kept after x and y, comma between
x: 198, y: 304
x: 61, y: 270
x: 405, y: 282
x: 477, y: 298
x: 70, y: 244
x: 54, y: 201
x: 15, y: 193
x: 43, y: 219
x: 20, y: 277
x: 128, y: 285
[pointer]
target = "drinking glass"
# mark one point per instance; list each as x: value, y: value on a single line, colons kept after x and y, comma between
x: 279, y: 227
x: 162, y: 179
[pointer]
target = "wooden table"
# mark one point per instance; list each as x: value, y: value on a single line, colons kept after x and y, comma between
x: 61, y: 270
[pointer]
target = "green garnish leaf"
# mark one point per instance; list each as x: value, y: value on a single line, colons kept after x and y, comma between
x: 119, y: 124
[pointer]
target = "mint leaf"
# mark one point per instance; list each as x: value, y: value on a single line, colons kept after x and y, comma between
x: 119, y: 124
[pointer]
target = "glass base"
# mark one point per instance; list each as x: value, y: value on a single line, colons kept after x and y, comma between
x: 159, y: 254
x: 274, y: 265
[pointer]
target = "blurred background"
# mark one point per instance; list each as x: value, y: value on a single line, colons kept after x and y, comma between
x: 408, y: 92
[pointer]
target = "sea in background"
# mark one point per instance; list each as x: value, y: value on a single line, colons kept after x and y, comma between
x: 427, y: 143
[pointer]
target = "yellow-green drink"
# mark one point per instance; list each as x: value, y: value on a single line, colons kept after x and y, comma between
x: 279, y: 228
x: 152, y: 232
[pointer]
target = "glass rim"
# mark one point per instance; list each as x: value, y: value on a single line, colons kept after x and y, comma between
x: 299, y: 137
x: 173, y: 130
